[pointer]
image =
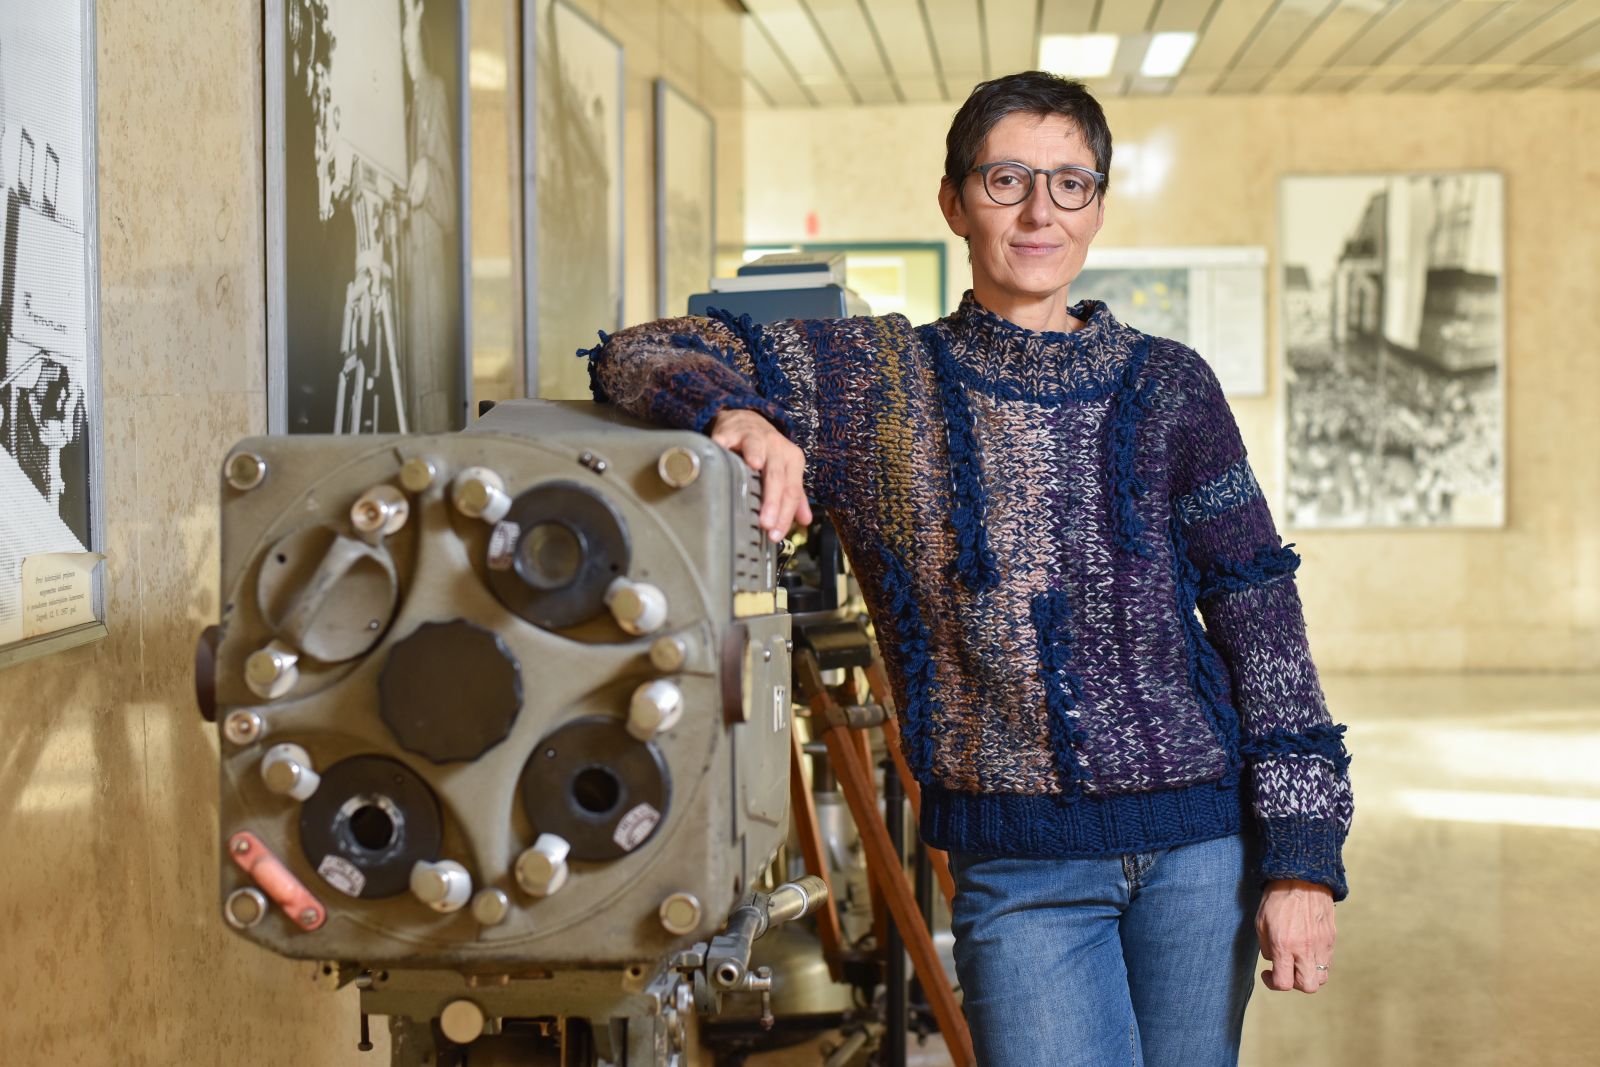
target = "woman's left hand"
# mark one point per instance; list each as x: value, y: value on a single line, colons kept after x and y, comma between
x: 1296, y: 930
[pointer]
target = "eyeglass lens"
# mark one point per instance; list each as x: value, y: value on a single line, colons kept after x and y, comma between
x: 1011, y: 184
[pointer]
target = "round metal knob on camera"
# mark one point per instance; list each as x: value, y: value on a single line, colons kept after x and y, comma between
x: 480, y: 493
x: 656, y: 706
x: 680, y: 913
x: 462, y: 1021
x: 244, y: 908
x: 243, y: 727
x: 678, y: 466
x: 638, y: 607
x: 417, y: 474
x: 542, y: 869
x: 669, y: 652
x: 270, y: 672
x: 491, y: 906
x: 444, y: 885
x: 286, y: 769
x: 245, y: 470
x: 383, y: 509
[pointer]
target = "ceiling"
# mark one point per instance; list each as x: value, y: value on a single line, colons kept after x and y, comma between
x: 820, y: 53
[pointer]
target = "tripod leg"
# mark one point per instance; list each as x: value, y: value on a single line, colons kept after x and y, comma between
x: 878, y: 683
x: 386, y: 310
x: 804, y: 807
x: 344, y: 362
x: 863, y: 746
x: 338, y: 406
x: 856, y: 782
x: 359, y: 374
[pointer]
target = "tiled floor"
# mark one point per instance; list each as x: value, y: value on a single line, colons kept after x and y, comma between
x: 1471, y: 933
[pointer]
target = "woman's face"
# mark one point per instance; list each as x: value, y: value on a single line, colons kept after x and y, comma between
x: 1033, y: 250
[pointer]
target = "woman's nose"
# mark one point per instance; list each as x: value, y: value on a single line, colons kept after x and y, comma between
x: 1038, y: 208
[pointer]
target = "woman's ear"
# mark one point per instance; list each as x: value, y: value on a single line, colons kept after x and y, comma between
x: 955, y: 215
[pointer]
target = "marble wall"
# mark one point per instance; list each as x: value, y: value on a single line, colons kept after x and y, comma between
x: 115, y: 952
x: 1204, y: 171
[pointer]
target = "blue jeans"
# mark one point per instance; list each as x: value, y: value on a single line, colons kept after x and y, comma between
x: 1144, y: 959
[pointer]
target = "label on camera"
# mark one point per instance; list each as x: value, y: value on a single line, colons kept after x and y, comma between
x: 503, y: 545
x: 343, y: 875
x: 780, y: 708
x: 635, y: 826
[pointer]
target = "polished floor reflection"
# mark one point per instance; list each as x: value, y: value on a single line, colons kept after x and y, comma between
x: 1470, y: 933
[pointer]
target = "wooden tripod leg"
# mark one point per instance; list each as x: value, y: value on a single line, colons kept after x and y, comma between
x: 875, y: 889
x: 940, y: 863
x: 810, y: 831
x: 863, y: 746
x: 855, y: 781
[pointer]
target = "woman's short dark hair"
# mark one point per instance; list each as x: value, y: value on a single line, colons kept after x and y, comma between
x: 1032, y: 92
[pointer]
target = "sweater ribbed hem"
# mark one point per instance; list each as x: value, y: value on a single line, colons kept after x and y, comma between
x: 1017, y: 824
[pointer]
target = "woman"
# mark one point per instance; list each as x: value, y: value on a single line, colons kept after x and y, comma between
x: 1035, y: 498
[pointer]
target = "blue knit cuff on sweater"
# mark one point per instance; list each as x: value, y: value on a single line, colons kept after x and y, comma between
x: 1303, y: 848
x: 753, y: 401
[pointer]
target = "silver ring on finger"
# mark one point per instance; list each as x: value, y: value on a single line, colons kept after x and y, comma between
x: 1322, y: 966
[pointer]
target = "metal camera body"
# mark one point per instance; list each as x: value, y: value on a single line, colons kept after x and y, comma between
x: 445, y: 749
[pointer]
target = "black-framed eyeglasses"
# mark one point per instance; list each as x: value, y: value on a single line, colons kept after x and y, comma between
x: 1008, y: 182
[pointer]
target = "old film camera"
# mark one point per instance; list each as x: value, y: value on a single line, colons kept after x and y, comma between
x: 505, y: 729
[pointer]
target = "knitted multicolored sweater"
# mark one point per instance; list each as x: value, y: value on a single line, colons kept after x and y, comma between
x: 1033, y: 519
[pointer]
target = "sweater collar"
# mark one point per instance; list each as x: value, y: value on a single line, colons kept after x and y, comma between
x: 1000, y: 358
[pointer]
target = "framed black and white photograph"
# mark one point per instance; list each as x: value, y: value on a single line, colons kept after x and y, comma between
x: 1393, y: 339
x: 572, y: 167
x: 367, y: 217
x: 51, y: 511
x: 686, y: 199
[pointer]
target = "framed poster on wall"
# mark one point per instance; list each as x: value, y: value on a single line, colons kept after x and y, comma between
x: 1393, y: 339
x: 52, y: 515
x: 572, y: 196
x: 686, y: 199
x: 367, y: 218
x: 1212, y: 299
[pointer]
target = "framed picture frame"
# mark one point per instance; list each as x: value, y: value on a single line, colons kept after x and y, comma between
x: 686, y: 199
x: 1392, y: 349
x: 573, y: 187
x: 368, y: 217
x: 52, y: 507
x: 1213, y: 299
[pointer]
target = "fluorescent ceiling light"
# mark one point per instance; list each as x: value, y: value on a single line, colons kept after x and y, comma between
x: 1167, y: 54
x: 1078, y: 55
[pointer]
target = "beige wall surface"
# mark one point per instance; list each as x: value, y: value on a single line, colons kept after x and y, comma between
x: 1204, y: 171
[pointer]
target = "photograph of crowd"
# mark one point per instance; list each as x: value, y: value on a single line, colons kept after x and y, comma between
x: 1393, y: 340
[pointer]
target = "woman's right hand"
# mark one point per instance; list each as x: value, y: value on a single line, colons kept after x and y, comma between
x: 781, y: 462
